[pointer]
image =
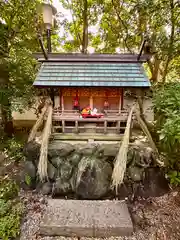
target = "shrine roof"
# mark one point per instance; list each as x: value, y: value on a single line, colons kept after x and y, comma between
x: 96, y: 70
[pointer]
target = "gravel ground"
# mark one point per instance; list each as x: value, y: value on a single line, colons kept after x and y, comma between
x: 154, y: 218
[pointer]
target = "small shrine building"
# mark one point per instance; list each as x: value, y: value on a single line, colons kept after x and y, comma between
x: 90, y: 88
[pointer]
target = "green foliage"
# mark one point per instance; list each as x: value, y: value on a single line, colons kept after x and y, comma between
x: 72, y: 39
x: 10, y: 224
x: 167, y: 98
x: 174, y: 177
x: 28, y: 180
x: 8, y: 189
x: 167, y: 113
x: 18, y: 39
x: 4, y: 207
x: 121, y: 25
x: 11, y: 210
x: 14, y: 149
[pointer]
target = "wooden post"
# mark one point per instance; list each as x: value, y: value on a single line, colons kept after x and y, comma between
x: 91, y: 102
x: 118, y: 126
x: 62, y: 103
x: 120, y: 103
x: 56, y: 101
x: 63, y: 126
x: 76, y: 126
x: 140, y: 98
x: 105, y: 126
x: 122, y: 98
x: 60, y: 94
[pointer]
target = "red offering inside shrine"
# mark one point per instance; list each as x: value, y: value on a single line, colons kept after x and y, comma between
x: 97, y: 115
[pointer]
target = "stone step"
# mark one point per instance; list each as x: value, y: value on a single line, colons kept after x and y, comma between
x: 76, y: 218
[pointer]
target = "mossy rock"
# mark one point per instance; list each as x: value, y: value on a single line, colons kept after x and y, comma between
x: 109, y: 150
x: 59, y: 149
x: 136, y: 173
x: 93, y: 178
x: 32, y: 151
x: 57, y: 161
x: 65, y: 171
x: 52, y: 171
x: 61, y: 188
x: 74, y: 158
x: 86, y: 149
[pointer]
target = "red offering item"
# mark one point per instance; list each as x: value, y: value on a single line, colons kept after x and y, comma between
x: 76, y: 102
x: 98, y: 115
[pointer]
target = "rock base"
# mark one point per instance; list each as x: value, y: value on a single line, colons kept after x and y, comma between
x: 84, y: 171
x: 73, y: 218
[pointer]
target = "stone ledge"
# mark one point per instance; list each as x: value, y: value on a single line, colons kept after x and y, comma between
x: 86, y: 219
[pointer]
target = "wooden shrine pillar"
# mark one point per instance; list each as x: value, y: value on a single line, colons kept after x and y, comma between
x: 121, y: 99
x: 140, y: 99
x: 91, y: 102
x: 52, y: 96
x: 62, y: 101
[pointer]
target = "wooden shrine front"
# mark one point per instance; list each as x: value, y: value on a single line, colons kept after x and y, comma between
x: 91, y: 96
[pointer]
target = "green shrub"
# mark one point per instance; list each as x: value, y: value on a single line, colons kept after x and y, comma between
x: 174, y: 177
x: 4, y: 207
x: 28, y: 180
x: 167, y: 111
x: 167, y: 114
x: 11, y: 210
x: 14, y: 149
x: 10, y: 226
x: 8, y: 189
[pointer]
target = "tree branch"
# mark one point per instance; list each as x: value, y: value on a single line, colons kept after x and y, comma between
x: 170, y: 49
x: 74, y: 22
x: 124, y: 25
x: 85, y: 27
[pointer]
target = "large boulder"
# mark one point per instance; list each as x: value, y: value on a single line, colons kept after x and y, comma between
x: 136, y: 173
x: 154, y: 184
x: 52, y: 172
x: 59, y: 149
x: 109, y: 150
x: 57, y: 161
x: 148, y: 182
x: 32, y: 151
x: 46, y: 188
x: 61, y: 187
x: 93, y: 178
x: 30, y: 169
x: 86, y: 149
x: 65, y: 171
x: 74, y: 158
x: 28, y: 176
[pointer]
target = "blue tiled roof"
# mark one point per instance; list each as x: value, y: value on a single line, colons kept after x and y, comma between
x: 73, y: 74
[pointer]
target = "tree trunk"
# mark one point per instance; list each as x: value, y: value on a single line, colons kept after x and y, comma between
x: 85, y: 27
x: 170, y: 49
x: 155, y: 69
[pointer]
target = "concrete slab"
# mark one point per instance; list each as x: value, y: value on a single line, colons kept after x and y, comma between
x: 86, y: 219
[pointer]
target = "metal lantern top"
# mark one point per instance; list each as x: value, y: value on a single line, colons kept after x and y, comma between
x: 48, y: 12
